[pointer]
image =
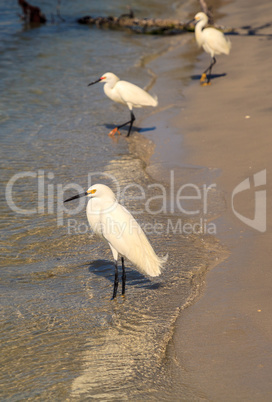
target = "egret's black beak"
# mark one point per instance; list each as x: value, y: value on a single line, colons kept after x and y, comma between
x: 76, y: 196
x: 91, y: 83
x: 193, y: 21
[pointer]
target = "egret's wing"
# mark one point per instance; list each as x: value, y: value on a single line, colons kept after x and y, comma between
x: 125, y: 235
x: 121, y: 229
x: 135, y: 95
x: 216, y: 41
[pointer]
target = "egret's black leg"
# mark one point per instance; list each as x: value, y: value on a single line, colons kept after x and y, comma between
x: 124, y: 124
x: 131, y: 122
x: 209, y: 70
x: 115, y: 287
x: 123, y: 277
x: 132, y: 118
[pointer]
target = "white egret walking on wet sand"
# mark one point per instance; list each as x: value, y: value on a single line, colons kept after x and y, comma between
x: 127, y: 94
x: 213, y: 42
x: 115, y: 224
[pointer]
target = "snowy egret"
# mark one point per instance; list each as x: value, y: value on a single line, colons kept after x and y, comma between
x: 213, y: 42
x: 115, y: 224
x: 126, y: 93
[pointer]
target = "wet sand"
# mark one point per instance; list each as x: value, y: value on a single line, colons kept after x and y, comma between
x: 223, y: 342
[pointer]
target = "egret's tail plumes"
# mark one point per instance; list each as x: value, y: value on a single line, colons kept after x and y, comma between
x: 144, y: 257
x: 228, y: 45
x: 155, y: 101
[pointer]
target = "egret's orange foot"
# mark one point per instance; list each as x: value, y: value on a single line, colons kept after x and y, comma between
x: 114, y: 131
x: 204, y: 84
x: 203, y: 77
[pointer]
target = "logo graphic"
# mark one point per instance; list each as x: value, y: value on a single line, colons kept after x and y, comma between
x: 259, y: 220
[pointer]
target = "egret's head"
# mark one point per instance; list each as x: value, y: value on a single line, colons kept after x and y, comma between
x: 107, y: 77
x: 100, y: 190
x: 95, y: 191
x: 197, y: 18
x: 200, y: 17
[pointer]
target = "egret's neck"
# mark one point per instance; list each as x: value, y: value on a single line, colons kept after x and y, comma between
x: 198, y: 32
x: 108, y: 89
x: 111, y: 83
x: 99, y: 205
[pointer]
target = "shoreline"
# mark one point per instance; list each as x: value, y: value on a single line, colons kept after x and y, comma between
x: 222, y: 341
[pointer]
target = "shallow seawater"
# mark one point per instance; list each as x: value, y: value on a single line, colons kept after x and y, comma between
x: 62, y: 337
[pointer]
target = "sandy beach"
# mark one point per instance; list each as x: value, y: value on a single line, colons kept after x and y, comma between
x: 223, y: 342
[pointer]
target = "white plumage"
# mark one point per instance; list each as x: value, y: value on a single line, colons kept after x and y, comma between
x: 127, y: 94
x: 115, y: 224
x: 212, y: 40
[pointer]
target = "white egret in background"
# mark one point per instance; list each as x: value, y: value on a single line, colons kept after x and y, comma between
x: 115, y: 224
x: 127, y: 94
x: 213, y: 42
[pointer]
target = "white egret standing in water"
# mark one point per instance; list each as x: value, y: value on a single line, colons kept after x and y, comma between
x: 127, y: 94
x: 115, y: 224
